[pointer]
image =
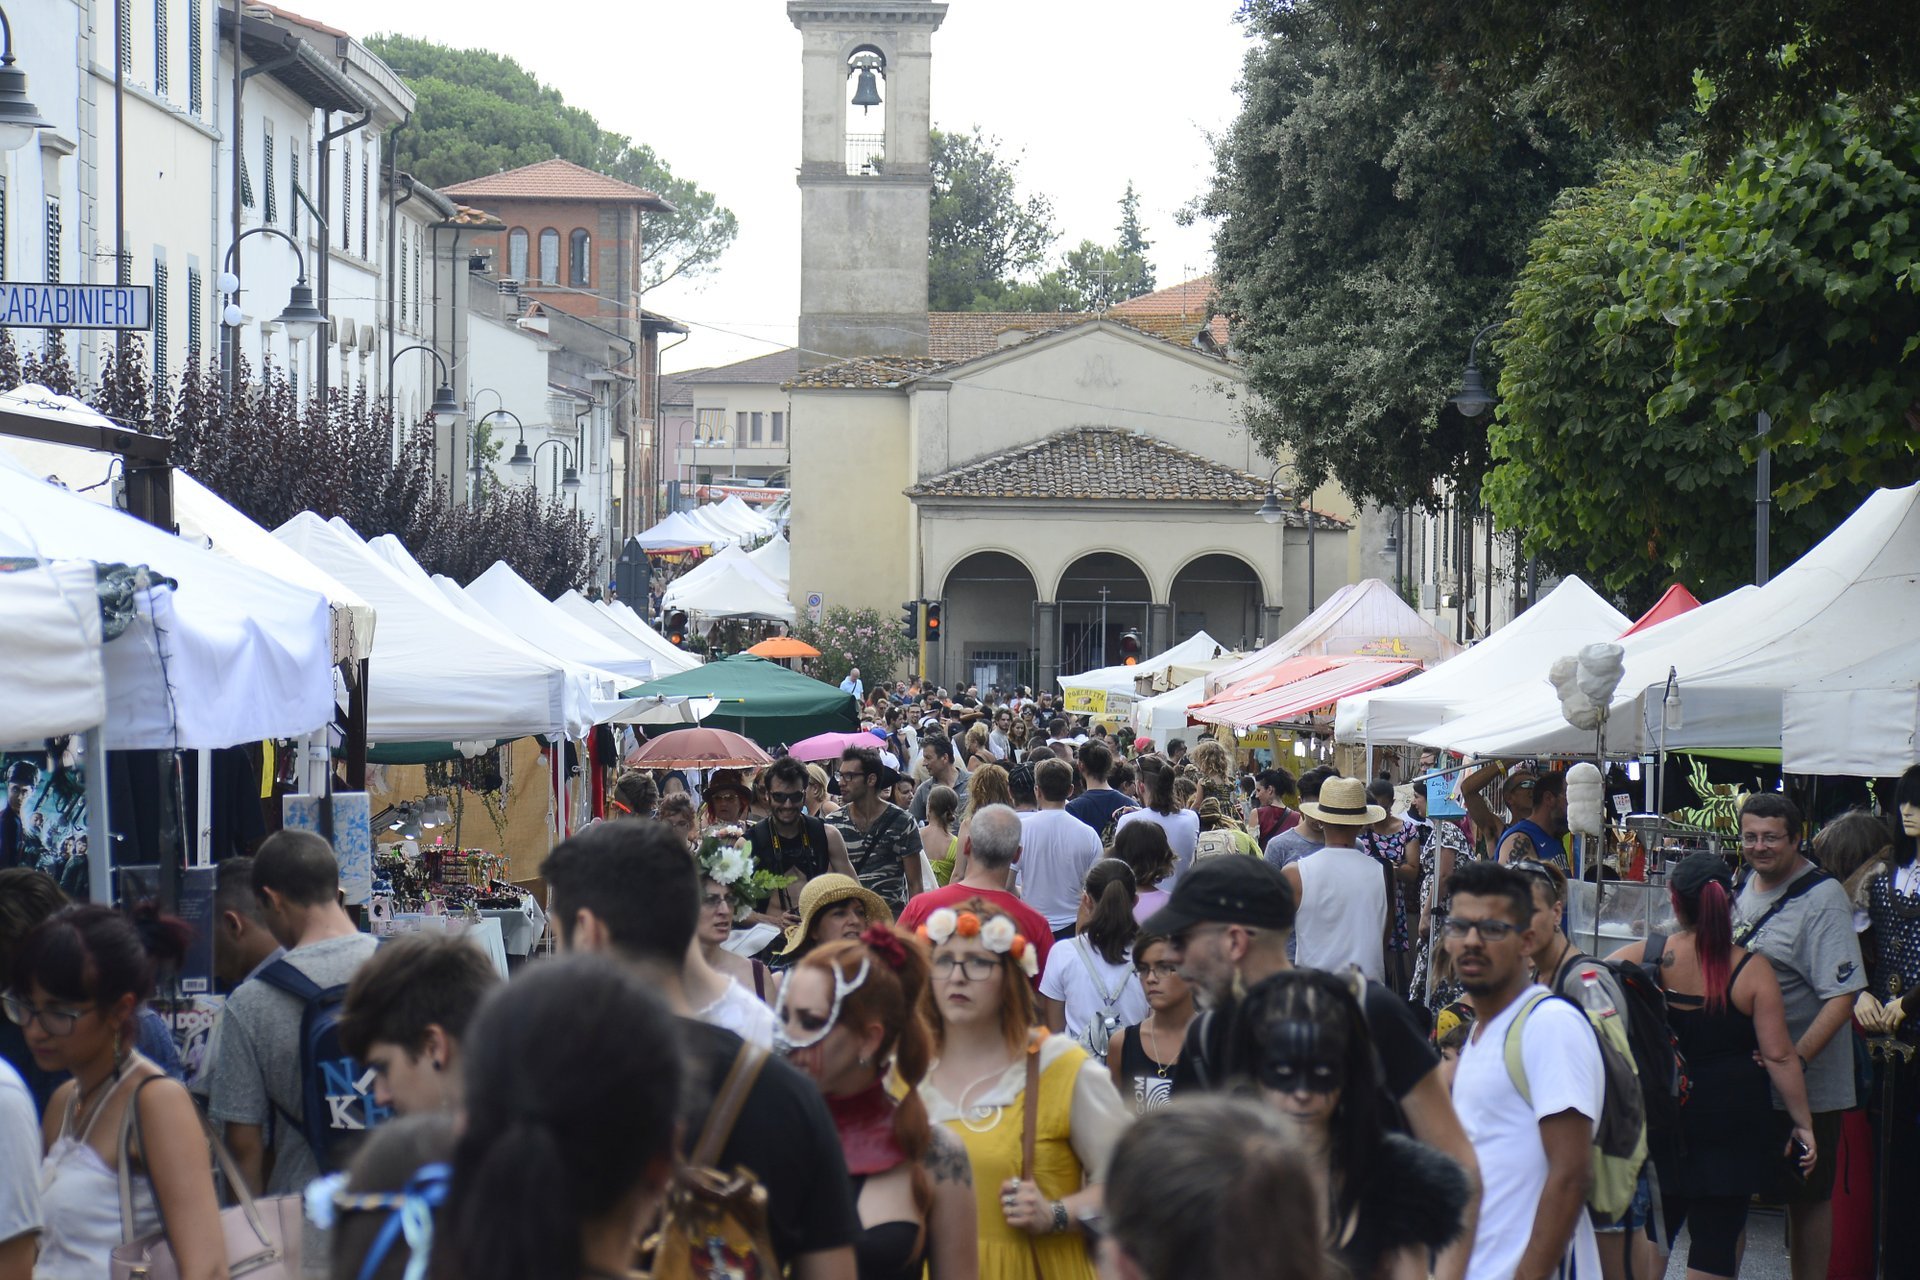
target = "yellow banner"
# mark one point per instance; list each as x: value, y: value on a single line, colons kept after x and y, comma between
x: 1084, y: 702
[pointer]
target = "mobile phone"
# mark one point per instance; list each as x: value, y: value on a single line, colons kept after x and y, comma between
x: 1797, y: 1152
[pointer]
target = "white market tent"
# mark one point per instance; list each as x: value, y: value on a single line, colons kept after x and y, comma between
x: 1863, y: 721
x: 1164, y: 716
x: 725, y: 532
x: 729, y: 585
x: 667, y: 660
x: 729, y: 560
x: 624, y: 616
x: 433, y: 676
x: 50, y: 633
x: 231, y: 655
x: 775, y: 559
x: 201, y: 515
x: 1850, y: 604
x: 1362, y: 619
x: 1198, y: 647
x: 679, y: 532
x: 1570, y: 616
x: 530, y: 615
x: 738, y: 508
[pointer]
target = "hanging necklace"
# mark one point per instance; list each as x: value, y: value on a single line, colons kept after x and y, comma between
x: 981, y: 1119
x: 85, y: 1098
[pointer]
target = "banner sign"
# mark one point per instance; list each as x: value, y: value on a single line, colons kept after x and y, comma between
x: 30, y: 305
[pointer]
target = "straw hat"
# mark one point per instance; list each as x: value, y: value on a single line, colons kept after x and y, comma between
x: 1343, y: 803
x: 822, y: 892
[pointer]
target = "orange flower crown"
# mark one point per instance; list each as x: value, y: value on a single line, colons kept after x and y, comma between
x: 997, y: 934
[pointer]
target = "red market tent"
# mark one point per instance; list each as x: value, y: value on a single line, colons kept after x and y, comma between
x: 1676, y: 601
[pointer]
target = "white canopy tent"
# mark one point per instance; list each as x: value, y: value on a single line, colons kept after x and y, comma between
x: 434, y: 676
x: 642, y: 638
x: 231, y: 655
x: 679, y: 532
x: 531, y: 616
x: 1362, y: 619
x: 775, y: 559
x: 1851, y: 603
x: 729, y: 560
x: 1571, y: 615
x: 1164, y: 716
x: 50, y: 633
x: 729, y: 585
x: 1198, y: 647
x: 725, y: 532
x: 1863, y: 721
x: 736, y: 510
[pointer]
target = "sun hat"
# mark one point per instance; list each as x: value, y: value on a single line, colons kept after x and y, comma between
x: 727, y: 780
x: 822, y: 892
x: 1343, y: 803
x: 1246, y: 891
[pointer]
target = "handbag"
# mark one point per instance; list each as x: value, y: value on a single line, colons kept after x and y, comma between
x: 262, y: 1236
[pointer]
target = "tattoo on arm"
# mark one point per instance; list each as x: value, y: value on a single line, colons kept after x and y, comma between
x: 946, y: 1159
x: 1666, y: 961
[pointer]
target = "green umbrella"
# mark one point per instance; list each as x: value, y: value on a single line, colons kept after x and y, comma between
x: 761, y: 700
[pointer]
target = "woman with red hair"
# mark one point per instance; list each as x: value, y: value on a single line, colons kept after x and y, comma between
x: 850, y: 1013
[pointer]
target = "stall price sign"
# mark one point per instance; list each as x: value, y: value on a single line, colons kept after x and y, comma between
x: 40, y: 305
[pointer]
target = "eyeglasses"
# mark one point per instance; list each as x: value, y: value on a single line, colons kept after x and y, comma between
x: 713, y: 901
x: 787, y: 797
x: 977, y: 968
x: 1161, y: 970
x: 54, y: 1021
x: 856, y: 775
x: 1490, y: 930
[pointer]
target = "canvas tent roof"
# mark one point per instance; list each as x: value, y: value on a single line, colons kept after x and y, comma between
x: 734, y: 513
x: 762, y: 700
x: 1852, y: 600
x: 775, y: 559
x: 678, y: 532
x: 1366, y: 619
x: 1296, y: 688
x: 1863, y: 721
x: 1198, y: 647
x: 530, y: 615
x: 651, y: 644
x: 1673, y: 602
x: 729, y: 586
x: 1566, y: 618
x: 231, y: 655
x: 50, y: 633
x: 434, y: 676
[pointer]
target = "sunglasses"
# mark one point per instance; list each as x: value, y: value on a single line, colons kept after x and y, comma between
x: 787, y: 797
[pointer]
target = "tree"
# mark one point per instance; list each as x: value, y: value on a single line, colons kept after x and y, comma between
x: 477, y: 113
x: 1133, y: 244
x: 1631, y: 66
x: 1370, y: 221
x: 984, y: 238
x: 1793, y: 287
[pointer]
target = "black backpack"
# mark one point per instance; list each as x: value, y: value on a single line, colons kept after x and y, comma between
x: 336, y: 1091
x: 1656, y: 1050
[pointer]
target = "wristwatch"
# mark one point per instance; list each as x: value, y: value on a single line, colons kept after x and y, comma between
x: 1059, y: 1216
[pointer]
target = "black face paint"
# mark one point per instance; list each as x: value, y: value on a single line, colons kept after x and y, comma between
x: 1301, y: 1057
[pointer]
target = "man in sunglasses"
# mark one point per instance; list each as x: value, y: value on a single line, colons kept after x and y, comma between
x: 1533, y: 1148
x: 793, y: 842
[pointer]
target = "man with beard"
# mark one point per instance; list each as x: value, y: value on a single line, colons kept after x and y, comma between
x: 1533, y: 1147
x: 1227, y: 924
x: 880, y: 840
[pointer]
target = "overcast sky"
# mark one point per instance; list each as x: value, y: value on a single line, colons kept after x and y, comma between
x: 1089, y: 94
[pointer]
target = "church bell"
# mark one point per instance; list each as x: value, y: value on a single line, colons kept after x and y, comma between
x: 867, y: 93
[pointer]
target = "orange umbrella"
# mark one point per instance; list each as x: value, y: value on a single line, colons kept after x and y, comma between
x: 783, y: 647
x: 699, y: 749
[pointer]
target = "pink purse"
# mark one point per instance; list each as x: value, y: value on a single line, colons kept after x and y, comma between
x: 262, y: 1236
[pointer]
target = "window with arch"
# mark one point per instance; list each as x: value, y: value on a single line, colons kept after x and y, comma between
x: 549, y: 256
x: 866, y: 111
x: 579, y: 249
x: 517, y: 253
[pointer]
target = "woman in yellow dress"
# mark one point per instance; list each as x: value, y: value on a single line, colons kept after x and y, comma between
x: 1030, y: 1228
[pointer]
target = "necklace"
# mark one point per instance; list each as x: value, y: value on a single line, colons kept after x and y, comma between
x: 981, y: 1119
x: 85, y: 1098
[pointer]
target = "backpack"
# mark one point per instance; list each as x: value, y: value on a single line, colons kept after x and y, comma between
x: 1620, y: 1134
x: 1664, y: 1085
x: 714, y: 1224
x: 1212, y: 844
x: 336, y: 1092
x: 1107, y: 1021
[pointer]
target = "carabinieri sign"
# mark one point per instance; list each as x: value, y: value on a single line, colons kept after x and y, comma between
x: 75, y: 306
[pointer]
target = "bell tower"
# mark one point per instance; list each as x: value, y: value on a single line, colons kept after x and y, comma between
x: 864, y: 183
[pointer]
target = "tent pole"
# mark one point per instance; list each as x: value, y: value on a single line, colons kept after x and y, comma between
x: 100, y: 852
x: 203, y: 809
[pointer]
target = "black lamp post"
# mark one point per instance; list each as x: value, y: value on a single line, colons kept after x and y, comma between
x: 301, y: 318
x: 1273, y: 512
x: 19, y: 118
x: 520, y: 460
x: 1473, y: 398
x: 569, y: 475
x: 444, y: 404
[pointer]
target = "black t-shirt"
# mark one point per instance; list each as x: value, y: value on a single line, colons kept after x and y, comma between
x: 1404, y: 1054
x: 806, y: 853
x: 785, y: 1138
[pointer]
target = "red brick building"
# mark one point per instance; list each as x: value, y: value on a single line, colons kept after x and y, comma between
x: 571, y: 240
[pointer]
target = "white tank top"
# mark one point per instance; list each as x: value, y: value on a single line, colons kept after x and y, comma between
x: 1343, y: 912
x: 80, y: 1202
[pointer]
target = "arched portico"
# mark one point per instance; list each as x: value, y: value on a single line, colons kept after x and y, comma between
x: 1100, y: 597
x: 1218, y: 593
x: 989, y: 599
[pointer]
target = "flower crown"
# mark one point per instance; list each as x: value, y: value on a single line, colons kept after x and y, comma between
x: 997, y: 934
x: 725, y: 857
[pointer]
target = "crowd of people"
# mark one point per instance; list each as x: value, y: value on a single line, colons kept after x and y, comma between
x: 997, y: 996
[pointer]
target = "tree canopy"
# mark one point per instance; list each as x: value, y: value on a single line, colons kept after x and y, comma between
x: 985, y: 237
x: 1628, y: 66
x: 478, y: 113
x: 1371, y: 220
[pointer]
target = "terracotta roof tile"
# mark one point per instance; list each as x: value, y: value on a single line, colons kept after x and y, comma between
x: 1101, y: 464
x: 777, y: 368
x: 963, y: 335
x: 1177, y: 312
x: 863, y: 373
x: 555, y: 179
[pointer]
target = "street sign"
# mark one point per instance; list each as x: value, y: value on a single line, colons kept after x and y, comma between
x: 816, y: 604
x: 38, y: 305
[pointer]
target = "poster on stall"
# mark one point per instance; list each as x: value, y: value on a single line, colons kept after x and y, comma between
x: 44, y: 824
x: 352, y: 836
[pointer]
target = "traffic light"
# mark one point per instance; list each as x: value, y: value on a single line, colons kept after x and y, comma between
x: 933, y: 621
x: 677, y: 626
x: 910, y: 620
x: 1129, y: 647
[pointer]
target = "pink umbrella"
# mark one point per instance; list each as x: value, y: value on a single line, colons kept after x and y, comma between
x: 828, y: 746
x: 699, y: 749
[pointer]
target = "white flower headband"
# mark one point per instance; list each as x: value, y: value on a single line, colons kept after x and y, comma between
x: 997, y: 934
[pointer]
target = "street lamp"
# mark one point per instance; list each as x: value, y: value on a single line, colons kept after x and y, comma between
x: 569, y: 475
x: 302, y: 318
x: 444, y: 404
x: 1273, y: 512
x: 19, y: 118
x: 520, y: 460
x: 1473, y: 398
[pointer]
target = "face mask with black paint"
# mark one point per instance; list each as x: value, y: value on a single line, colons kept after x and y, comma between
x: 1301, y: 1057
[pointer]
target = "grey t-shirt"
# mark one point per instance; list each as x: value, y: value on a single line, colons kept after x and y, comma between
x: 19, y: 1157
x: 1290, y: 846
x: 920, y: 793
x: 256, y: 1077
x: 1816, y: 955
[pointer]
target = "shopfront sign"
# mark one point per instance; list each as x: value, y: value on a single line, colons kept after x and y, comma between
x: 38, y: 305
